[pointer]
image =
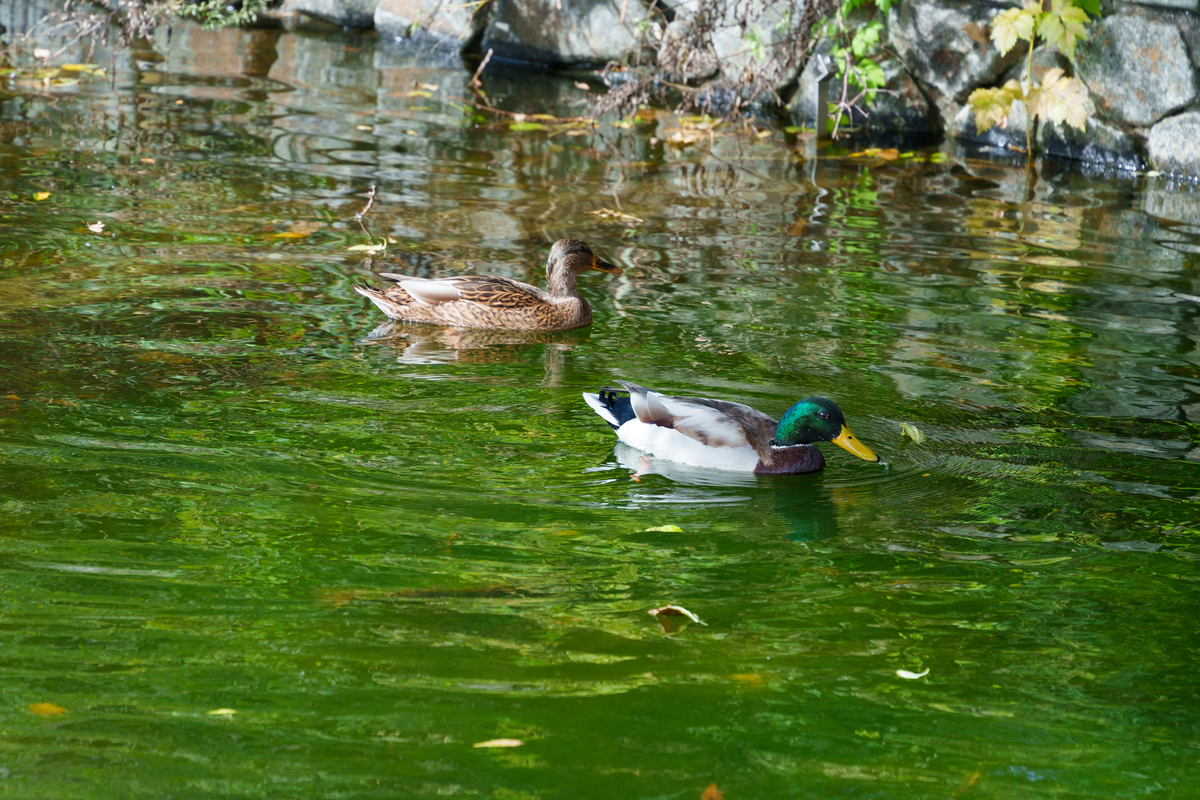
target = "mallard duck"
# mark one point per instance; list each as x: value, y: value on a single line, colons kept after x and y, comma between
x: 487, y: 301
x: 724, y: 435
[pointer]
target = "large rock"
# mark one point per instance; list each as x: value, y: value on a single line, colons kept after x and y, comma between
x: 446, y: 21
x: 1184, y: 5
x: 347, y: 13
x: 907, y: 109
x: 945, y: 46
x: 751, y: 42
x: 582, y: 33
x: 1099, y: 143
x: 1137, y: 69
x: 1174, y: 145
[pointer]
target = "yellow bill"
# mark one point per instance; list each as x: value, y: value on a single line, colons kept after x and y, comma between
x: 604, y: 266
x: 846, y: 441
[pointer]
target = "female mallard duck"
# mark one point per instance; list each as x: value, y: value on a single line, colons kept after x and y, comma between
x: 724, y: 435
x: 486, y: 301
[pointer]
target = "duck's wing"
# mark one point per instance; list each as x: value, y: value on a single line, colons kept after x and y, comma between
x: 715, y: 423
x: 487, y: 290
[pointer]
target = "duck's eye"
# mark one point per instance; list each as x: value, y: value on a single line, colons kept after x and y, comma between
x: 823, y: 415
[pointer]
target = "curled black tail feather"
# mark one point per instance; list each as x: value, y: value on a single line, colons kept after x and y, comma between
x: 619, y: 406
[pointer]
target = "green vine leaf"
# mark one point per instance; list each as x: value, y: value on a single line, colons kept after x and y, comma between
x: 1013, y: 25
x: 1062, y: 26
x: 992, y: 106
x: 1063, y: 99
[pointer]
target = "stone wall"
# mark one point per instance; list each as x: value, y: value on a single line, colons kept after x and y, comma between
x: 1140, y: 64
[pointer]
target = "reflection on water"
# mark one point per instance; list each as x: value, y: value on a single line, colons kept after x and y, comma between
x: 254, y: 546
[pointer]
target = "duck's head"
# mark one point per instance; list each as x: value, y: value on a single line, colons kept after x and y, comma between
x: 574, y: 257
x: 818, y: 419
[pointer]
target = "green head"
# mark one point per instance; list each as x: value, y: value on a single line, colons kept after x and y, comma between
x: 818, y: 419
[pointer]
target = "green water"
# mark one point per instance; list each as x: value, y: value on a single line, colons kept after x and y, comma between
x: 252, y: 553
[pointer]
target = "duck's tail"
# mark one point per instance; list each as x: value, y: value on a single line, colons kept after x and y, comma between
x: 612, y: 408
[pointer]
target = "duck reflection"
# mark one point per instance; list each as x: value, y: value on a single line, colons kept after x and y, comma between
x: 807, y: 508
x: 415, y: 343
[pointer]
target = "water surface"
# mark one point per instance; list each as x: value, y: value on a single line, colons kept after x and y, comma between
x: 254, y: 547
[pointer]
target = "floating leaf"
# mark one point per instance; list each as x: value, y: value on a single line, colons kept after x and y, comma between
x: 222, y: 712
x: 938, y: 158
x: 665, y: 529
x: 40, y: 195
x: 617, y: 216
x: 911, y: 676
x: 499, y: 743
x: 366, y: 248
x: 429, y: 87
x: 583, y: 86
x: 47, y: 709
x: 527, y: 126
x: 416, y: 93
x: 96, y: 227
x: 711, y: 792
x: 912, y: 432
x: 675, y: 611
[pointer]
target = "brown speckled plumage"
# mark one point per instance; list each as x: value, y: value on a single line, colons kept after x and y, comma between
x: 485, y: 301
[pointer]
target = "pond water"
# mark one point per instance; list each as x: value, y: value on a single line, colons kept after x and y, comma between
x: 251, y: 550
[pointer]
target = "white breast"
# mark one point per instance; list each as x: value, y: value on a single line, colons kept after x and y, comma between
x: 674, y: 446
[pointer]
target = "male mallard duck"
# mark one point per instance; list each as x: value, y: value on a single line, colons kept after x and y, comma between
x: 724, y: 435
x: 486, y: 301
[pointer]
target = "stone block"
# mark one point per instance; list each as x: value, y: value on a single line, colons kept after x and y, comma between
x: 946, y: 48
x: 1137, y: 69
x: 1099, y: 143
x: 1174, y: 145
x: 1181, y: 5
x: 907, y: 110
x: 358, y: 14
x: 573, y: 33
x: 447, y: 21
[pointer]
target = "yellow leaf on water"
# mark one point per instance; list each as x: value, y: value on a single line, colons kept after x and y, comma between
x: 711, y: 792
x: 46, y: 709
x: 674, y: 611
x: 41, y: 195
x: 665, y: 529
x: 222, y: 712
x: 429, y: 87
x: 147, y: 160
x: 499, y: 743
x: 96, y: 227
x: 290, y: 235
x: 912, y: 432
x: 911, y: 676
x: 365, y: 248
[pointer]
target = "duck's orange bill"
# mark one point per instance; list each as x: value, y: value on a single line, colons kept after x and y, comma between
x: 604, y: 266
x: 846, y: 441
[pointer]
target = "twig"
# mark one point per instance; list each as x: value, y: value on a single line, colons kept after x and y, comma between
x: 474, y: 82
x: 370, y: 202
x: 362, y: 214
